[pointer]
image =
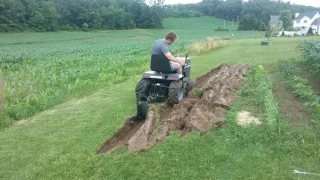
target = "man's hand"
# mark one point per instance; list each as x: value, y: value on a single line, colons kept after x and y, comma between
x: 182, y: 62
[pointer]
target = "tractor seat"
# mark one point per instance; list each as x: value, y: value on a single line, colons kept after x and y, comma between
x: 161, y: 64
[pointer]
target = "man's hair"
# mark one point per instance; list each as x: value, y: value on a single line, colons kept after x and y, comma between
x: 171, y: 36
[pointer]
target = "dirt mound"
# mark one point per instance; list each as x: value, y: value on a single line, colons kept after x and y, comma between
x: 202, y: 113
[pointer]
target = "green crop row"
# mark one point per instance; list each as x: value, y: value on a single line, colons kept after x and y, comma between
x: 33, y: 86
x: 37, y: 80
x: 271, y: 110
x: 38, y: 76
x: 298, y: 85
x: 258, y: 85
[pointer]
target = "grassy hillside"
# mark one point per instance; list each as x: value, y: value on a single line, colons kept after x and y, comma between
x: 196, y: 28
x: 202, y: 23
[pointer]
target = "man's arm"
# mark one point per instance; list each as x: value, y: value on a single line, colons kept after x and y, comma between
x: 172, y: 58
x: 166, y: 52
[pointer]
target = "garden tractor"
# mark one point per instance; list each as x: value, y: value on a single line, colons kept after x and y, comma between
x: 162, y: 84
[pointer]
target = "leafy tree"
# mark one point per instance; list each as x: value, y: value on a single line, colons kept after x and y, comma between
x: 286, y: 18
x: 248, y: 22
x: 262, y: 26
x: 37, y: 21
x: 12, y: 15
x: 51, y: 15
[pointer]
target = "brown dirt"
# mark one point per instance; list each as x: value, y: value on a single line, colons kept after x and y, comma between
x: 122, y: 136
x: 192, y: 113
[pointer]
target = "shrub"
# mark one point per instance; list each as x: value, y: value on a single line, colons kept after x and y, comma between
x: 310, y: 32
x: 221, y: 29
x: 310, y: 50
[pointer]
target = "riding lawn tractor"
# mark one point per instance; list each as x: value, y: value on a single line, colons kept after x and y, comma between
x: 161, y: 84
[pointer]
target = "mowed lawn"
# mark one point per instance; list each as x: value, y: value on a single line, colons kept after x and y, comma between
x: 61, y: 142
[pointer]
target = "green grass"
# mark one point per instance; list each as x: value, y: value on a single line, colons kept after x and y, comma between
x: 194, y: 28
x: 202, y: 23
x: 249, y: 51
x: 60, y: 143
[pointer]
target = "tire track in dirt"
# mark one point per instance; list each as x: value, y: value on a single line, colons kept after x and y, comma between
x: 218, y: 88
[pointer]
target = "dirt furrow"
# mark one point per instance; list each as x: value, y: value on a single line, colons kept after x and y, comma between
x: 202, y: 113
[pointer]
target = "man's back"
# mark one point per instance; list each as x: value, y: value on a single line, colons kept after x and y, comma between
x: 159, y: 48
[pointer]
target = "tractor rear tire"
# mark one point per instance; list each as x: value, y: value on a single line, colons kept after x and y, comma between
x: 176, y: 92
x: 142, y: 90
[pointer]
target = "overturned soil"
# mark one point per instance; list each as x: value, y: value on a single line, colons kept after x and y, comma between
x: 202, y: 113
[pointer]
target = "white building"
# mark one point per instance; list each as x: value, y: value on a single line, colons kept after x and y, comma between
x: 303, y: 21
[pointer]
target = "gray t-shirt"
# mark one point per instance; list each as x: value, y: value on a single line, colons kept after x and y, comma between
x: 159, y: 48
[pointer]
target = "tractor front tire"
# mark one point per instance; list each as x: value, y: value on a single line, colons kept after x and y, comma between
x: 143, y: 111
x: 189, y: 84
x: 176, y: 92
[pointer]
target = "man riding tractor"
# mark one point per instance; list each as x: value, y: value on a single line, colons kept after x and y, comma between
x: 169, y: 78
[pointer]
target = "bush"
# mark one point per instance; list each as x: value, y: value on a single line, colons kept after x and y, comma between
x: 310, y: 32
x: 221, y: 29
x: 310, y: 50
x: 85, y: 27
x: 262, y: 27
x: 290, y: 28
x: 268, y: 34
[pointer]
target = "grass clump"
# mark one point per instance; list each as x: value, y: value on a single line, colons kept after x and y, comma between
x: 198, y: 92
x: 206, y: 45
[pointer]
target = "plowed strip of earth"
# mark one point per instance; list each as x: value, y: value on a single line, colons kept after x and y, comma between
x: 199, y: 112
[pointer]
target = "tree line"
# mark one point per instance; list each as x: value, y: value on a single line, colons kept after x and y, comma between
x: 251, y: 15
x: 51, y: 15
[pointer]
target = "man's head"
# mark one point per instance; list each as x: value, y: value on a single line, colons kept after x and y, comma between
x: 170, y: 38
